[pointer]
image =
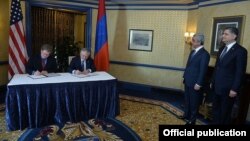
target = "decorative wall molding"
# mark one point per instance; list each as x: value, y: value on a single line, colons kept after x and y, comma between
x: 139, y: 5
x: 3, y: 63
x: 146, y: 88
x: 147, y: 65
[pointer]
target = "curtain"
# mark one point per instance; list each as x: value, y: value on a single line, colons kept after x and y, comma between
x: 50, y: 26
x: 64, y: 25
x: 43, y: 28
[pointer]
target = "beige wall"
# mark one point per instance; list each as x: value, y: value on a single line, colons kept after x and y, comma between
x: 168, y: 45
x: 169, y: 48
x: 4, y: 34
x: 191, y: 27
x: 204, y: 21
x: 79, y: 28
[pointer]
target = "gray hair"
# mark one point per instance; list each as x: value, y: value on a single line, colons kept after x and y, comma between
x: 85, y: 50
x: 200, y: 37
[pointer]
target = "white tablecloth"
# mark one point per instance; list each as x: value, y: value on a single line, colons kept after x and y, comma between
x: 23, y: 79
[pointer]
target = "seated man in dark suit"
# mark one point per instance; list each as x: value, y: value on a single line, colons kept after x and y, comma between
x: 42, y: 63
x: 82, y: 64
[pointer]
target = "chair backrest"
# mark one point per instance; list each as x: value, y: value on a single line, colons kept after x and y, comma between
x: 70, y: 58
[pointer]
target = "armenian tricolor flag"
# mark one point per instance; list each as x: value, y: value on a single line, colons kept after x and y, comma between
x: 101, y: 58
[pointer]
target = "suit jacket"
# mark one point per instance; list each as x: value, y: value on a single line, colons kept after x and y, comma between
x: 230, y: 70
x: 196, y: 68
x: 35, y: 63
x: 75, y: 64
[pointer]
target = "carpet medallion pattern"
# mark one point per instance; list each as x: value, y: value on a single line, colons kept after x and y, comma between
x: 139, y: 119
x: 91, y: 130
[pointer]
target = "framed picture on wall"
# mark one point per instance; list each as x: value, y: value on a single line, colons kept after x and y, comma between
x: 219, y: 24
x: 140, y: 40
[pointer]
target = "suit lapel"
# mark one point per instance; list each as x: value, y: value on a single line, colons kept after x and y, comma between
x: 196, y: 55
x: 229, y: 54
x: 40, y: 62
x: 189, y: 58
x: 79, y: 62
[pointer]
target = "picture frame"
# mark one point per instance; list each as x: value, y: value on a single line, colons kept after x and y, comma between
x: 141, y: 40
x: 219, y: 24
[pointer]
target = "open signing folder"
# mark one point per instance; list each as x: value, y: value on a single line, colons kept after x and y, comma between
x: 43, y: 76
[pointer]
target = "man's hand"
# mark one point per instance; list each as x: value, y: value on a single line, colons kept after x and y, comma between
x: 78, y: 72
x: 232, y: 94
x: 37, y: 73
x: 85, y: 72
x: 44, y: 72
x: 197, y: 87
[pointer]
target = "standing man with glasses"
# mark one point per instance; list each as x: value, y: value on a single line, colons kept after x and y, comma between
x: 82, y: 64
x: 229, y: 72
x: 43, y: 63
x: 194, y: 77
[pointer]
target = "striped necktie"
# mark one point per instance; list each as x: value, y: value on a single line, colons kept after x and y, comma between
x: 83, y: 64
x: 223, y: 52
x: 43, y: 63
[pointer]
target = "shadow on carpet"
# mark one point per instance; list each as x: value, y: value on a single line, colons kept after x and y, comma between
x: 92, y: 130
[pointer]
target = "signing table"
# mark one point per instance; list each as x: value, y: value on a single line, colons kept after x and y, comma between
x: 33, y: 103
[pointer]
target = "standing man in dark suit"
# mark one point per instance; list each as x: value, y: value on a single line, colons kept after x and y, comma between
x: 43, y: 63
x: 82, y: 64
x: 194, y: 77
x: 229, y: 72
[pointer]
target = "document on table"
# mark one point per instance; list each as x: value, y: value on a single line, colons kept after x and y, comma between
x: 84, y: 75
x: 37, y: 76
x: 52, y: 74
x: 43, y: 76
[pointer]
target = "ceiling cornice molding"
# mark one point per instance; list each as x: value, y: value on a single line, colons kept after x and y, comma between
x: 116, y: 5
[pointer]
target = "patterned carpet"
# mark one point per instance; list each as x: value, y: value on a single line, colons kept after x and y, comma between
x: 142, y: 115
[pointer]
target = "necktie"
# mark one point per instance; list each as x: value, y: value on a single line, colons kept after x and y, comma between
x: 223, y: 52
x: 83, y: 64
x: 192, y: 54
x: 43, y: 63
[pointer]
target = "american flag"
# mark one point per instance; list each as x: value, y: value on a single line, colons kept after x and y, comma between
x: 17, y: 48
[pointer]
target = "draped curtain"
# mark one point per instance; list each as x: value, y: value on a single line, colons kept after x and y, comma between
x: 64, y: 25
x: 50, y: 26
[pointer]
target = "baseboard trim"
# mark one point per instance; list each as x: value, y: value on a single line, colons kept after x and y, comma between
x: 3, y: 63
x: 3, y: 89
x: 146, y: 88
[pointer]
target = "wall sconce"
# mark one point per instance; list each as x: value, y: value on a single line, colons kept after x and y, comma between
x: 188, y: 37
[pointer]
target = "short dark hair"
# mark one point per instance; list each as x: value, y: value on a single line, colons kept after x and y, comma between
x: 47, y: 47
x: 233, y: 30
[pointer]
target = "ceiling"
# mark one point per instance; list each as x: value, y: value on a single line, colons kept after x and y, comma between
x: 136, y: 4
x: 151, y: 1
x: 135, y: 1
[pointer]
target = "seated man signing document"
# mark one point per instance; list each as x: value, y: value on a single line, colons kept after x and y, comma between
x: 82, y: 64
x: 43, y: 63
